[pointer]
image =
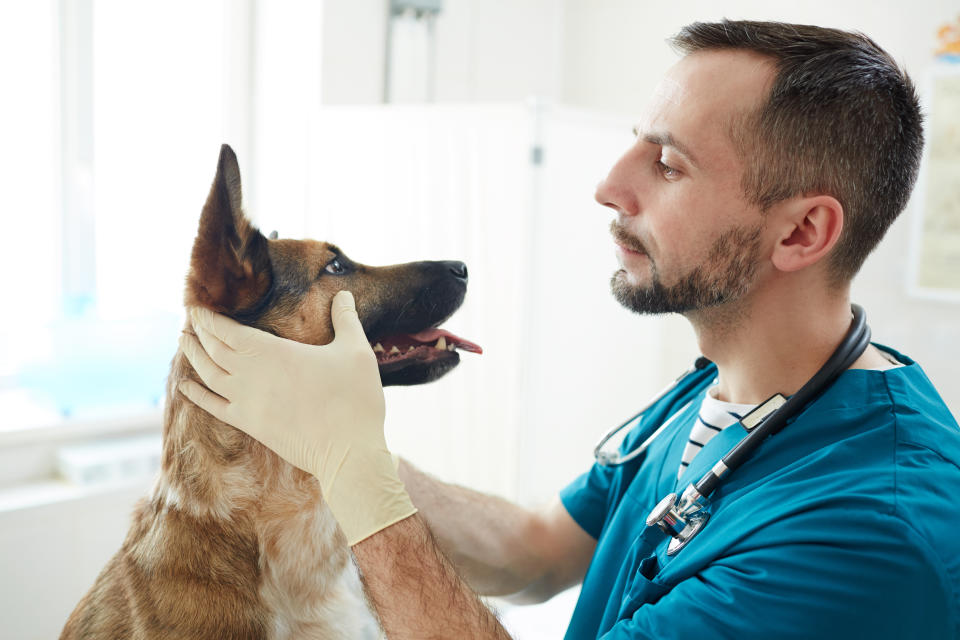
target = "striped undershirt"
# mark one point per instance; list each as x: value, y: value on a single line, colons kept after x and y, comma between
x: 715, y: 416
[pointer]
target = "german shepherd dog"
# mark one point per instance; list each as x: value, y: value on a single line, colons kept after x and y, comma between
x: 233, y: 542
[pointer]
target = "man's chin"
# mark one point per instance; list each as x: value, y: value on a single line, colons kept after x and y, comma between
x: 628, y: 293
x: 629, y: 278
x: 650, y: 299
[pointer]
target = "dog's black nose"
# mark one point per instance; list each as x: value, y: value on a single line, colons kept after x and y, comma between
x: 458, y: 269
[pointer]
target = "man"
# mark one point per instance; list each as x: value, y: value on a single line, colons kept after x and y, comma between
x: 771, y: 162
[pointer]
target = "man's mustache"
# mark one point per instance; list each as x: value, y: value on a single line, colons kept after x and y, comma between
x: 626, y: 239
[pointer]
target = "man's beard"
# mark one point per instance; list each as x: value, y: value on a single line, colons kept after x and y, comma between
x: 723, y: 277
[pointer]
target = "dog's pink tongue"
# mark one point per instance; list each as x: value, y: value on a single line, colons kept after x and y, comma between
x: 432, y: 335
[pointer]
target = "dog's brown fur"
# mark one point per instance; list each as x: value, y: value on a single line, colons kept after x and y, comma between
x: 233, y: 542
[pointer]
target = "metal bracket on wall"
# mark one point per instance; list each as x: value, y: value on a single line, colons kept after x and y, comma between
x: 426, y: 10
x: 420, y: 6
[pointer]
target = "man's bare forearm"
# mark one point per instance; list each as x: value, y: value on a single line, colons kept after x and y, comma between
x: 488, y: 539
x: 415, y: 590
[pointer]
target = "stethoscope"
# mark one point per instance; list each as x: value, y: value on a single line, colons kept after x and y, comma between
x: 684, y: 518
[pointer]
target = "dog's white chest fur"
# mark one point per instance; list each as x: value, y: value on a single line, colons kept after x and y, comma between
x: 344, y: 614
x: 309, y: 581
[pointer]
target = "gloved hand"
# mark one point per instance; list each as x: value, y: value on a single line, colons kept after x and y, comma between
x: 320, y: 408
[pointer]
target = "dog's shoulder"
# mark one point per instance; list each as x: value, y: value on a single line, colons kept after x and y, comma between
x: 176, y: 576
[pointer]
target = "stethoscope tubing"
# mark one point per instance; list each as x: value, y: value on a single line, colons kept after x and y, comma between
x: 684, y: 518
x: 853, y: 345
x: 614, y: 459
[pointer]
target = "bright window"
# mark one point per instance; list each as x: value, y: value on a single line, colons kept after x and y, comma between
x: 29, y: 188
x: 109, y: 148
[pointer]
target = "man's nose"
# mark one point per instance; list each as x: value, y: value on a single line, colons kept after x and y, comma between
x: 616, y: 190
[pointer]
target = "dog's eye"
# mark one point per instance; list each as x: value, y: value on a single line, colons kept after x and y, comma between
x: 335, y: 267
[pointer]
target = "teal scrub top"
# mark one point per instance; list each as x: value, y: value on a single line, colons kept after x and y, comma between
x: 846, y: 524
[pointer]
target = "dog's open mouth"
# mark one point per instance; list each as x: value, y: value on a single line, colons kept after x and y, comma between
x: 415, y: 358
x: 429, y: 347
x: 402, y: 326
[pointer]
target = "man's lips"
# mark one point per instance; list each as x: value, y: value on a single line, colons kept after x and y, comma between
x: 628, y: 250
x: 627, y: 243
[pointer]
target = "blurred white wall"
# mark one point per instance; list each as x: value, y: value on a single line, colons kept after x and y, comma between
x: 561, y: 358
x: 491, y: 51
x: 614, y: 50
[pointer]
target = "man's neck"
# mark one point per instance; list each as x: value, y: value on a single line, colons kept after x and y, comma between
x: 773, y: 342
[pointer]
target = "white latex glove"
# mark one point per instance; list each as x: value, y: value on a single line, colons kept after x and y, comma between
x: 320, y: 408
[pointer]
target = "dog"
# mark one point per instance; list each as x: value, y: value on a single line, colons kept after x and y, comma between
x: 233, y: 542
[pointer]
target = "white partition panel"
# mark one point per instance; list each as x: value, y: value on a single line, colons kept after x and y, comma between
x: 590, y: 363
x: 508, y: 189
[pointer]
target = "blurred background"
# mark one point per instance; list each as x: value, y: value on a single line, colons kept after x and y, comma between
x: 400, y: 130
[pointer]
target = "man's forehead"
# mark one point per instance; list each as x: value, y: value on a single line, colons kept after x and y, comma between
x: 725, y: 78
x: 700, y: 95
x: 668, y: 90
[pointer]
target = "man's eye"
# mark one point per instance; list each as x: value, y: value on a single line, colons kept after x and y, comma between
x: 335, y: 267
x: 666, y: 170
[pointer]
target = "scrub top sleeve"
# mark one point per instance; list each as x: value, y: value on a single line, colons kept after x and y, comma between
x: 799, y: 591
x: 587, y: 499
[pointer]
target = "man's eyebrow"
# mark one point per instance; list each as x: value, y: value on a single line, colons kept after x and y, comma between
x: 666, y: 139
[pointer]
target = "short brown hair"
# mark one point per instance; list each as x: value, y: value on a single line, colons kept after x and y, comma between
x: 841, y: 119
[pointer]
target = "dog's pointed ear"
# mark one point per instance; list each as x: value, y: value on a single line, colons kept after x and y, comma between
x: 230, y: 264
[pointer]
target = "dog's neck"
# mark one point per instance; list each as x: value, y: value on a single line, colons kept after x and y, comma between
x: 210, y: 469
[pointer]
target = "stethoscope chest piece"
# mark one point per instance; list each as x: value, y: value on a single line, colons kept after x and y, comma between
x: 681, y: 527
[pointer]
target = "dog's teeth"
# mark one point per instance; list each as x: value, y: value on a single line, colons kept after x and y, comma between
x: 378, y: 348
x: 451, y: 347
x: 394, y: 350
x: 441, y: 343
x: 410, y: 349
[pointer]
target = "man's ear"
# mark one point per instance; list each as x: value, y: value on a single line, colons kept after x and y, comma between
x: 809, y: 228
x: 230, y: 264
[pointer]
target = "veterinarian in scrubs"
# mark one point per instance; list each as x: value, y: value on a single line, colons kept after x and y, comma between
x: 770, y: 163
